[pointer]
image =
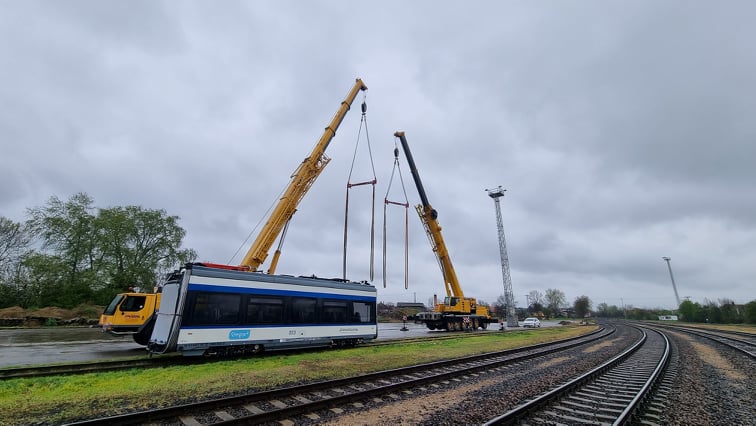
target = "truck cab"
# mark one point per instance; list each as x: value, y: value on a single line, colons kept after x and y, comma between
x: 131, y: 314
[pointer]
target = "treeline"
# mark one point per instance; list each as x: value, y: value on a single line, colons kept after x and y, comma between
x: 70, y: 252
x: 724, y: 311
x: 551, y: 304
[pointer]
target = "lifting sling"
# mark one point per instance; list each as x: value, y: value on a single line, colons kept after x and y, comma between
x: 386, y: 203
x: 349, y: 185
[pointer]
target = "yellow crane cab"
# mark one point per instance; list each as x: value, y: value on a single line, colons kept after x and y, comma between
x: 132, y: 314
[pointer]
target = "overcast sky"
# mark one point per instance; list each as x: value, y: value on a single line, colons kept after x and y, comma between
x: 623, y: 131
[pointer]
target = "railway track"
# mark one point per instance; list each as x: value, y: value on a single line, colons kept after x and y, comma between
x: 89, y: 367
x: 740, y: 341
x: 609, y: 394
x: 664, y: 406
x: 300, y: 404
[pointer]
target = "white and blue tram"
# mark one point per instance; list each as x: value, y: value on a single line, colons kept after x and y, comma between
x: 223, y: 310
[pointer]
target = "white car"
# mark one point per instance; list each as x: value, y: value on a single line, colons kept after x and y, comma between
x: 531, y: 322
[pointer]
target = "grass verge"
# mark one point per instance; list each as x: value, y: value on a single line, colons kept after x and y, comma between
x: 53, y: 400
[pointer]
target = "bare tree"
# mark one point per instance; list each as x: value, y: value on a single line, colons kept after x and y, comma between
x: 535, y: 297
x: 555, y: 300
x: 500, y: 306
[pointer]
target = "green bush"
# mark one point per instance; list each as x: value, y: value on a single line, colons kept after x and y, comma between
x: 750, y: 312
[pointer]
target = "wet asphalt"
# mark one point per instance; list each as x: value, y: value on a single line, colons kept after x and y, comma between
x: 52, y: 345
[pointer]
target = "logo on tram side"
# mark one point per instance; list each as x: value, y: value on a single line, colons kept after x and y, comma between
x: 238, y: 334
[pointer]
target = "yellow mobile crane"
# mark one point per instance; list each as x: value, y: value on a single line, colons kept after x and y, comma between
x: 134, y: 313
x: 457, y: 312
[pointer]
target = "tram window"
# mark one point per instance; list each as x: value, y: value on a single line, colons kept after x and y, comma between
x: 216, y: 308
x: 265, y: 310
x: 133, y: 303
x: 334, y: 311
x: 362, y: 312
x: 303, y: 310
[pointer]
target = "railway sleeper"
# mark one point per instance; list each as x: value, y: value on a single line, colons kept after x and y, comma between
x: 592, y: 408
x: 585, y: 416
x: 620, y: 400
x: 550, y: 417
x: 594, y: 403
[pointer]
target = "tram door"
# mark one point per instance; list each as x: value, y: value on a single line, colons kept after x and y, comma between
x: 166, y: 323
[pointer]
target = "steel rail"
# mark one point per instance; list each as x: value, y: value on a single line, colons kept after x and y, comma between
x: 403, y: 377
x: 748, y: 347
x: 85, y: 368
x: 635, y: 404
x: 536, y: 405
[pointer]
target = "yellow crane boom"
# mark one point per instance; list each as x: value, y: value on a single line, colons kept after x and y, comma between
x: 457, y: 312
x: 301, y: 181
x: 429, y: 218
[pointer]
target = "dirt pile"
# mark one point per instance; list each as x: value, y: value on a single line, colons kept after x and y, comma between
x: 16, y: 316
x: 12, y: 312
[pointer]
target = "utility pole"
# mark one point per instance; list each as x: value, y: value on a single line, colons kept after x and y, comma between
x: 508, y: 293
x: 672, y: 277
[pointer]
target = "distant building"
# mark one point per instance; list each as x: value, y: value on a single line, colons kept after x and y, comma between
x: 411, y: 308
x: 411, y: 305
x: 667, y: 317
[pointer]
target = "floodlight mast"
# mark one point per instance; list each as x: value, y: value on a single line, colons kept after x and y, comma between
x: 508, y: 293
x: 672, y: 277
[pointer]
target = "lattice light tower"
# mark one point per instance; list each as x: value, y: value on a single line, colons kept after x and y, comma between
x: 508, y: 293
